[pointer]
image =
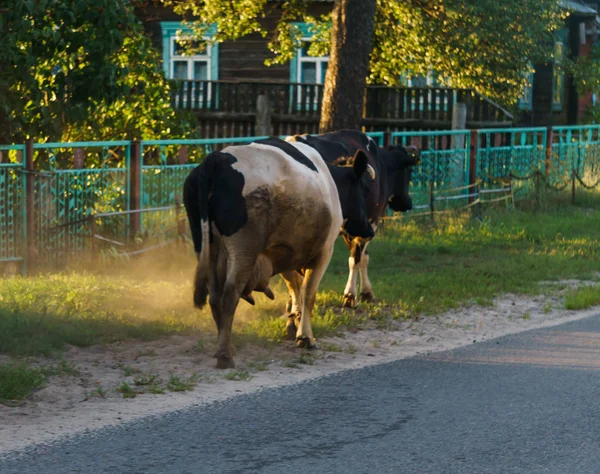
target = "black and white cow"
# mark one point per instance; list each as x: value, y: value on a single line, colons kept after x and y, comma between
x: 270, y: 207
x: 393, y: 168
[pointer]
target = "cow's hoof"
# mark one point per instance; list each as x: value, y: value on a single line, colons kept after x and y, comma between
x: 349, y: 301
x: 225, y: 363
x: 367, y: 297
x: 292, y: 326
x: 306, y: 343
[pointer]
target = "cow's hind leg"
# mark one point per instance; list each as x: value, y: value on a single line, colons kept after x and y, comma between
x: 293, y: 281
x: 238, y: 273
x: 310, y: 285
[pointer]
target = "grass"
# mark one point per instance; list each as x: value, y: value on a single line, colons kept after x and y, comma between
x: 417, y: 268
x: 18, y: 381
x: 583, y: 298
x: 238, y: 375
x: 181, y: 384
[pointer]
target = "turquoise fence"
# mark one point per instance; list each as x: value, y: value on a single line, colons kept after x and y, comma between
x: 66, y: 196
x: 445, y: 162
x: 575, y: 155
x: 514, y: 154
x: 12, y: 204
x: 72, y: 182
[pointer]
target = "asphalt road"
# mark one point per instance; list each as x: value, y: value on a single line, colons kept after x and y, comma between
x: 519, y: 404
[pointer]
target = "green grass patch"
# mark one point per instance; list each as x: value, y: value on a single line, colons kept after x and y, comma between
x: 181, y: 384
x: 127, y: 390
x: 583, y: 298
x: 18, y: 381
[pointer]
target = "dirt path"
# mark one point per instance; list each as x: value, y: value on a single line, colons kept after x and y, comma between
x: 88, y: 400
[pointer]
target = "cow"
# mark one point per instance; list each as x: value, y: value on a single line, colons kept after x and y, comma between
x: 393, y: 168
x: 270, y: 207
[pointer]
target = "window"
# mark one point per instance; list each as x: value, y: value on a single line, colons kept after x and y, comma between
x: 304, y: 68
x: 311, y: 69
x: 308, y: 70
x: 198, y: 65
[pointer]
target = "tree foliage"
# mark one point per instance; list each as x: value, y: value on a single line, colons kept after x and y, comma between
x: 77, y: 69
x: 485, y: 44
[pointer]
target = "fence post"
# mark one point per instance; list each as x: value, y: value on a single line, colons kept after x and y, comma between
x: 431, y: 201
x: 135, y: 191
x: 549, y: 138
x: 473, y: 149
x: 573, y: 184
x: 264, y: 124
x: 387, y: 138
x: 29, y: 206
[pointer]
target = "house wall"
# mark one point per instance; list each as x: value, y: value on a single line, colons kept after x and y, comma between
x: 243, y: 59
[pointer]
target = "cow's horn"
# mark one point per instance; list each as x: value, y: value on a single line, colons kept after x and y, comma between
x: 411, y: 149
x: 371, y: 171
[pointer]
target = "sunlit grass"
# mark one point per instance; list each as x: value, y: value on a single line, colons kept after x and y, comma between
x: 416, y: 268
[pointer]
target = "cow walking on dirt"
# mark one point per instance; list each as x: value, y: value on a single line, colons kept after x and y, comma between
x: 268, y: 208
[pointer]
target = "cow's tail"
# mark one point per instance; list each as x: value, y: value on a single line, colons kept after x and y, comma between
x: 195, y: 197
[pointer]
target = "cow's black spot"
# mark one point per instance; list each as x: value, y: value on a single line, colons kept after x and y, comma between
x: 289, y: 149
x: 227, y: 207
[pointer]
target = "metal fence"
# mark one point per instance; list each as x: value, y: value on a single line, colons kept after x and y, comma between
x: 66, y: 194
x: 12, y: 204
x: 59, y: 197
x: 445, y: 162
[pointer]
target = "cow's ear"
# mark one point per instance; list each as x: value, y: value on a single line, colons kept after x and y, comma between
x: 414, y: 155
x: 360, y: 163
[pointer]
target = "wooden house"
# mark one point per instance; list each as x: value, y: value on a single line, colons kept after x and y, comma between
x: 222, y: 84
x: 552, y: 98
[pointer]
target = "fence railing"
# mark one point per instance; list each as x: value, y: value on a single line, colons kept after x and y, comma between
x: 51, y: 193
x: 227, y: 108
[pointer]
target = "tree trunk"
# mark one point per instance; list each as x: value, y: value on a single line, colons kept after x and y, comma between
x: 352, y: 34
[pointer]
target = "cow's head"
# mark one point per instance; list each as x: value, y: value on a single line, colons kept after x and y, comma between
x: 353, y: 178
x: 399, y: 163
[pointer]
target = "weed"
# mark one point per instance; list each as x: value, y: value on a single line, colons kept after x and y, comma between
x: 330, y: 347
x: 18, y: 381
x: 526, y: 315
x: 181, y: 384
x: 351, y: 349
x: 126, y: 390
x: 98, y: 392
x: 582, y: 298
x: 259, y: 365
x: 128, y: 371
x: 238, y: 375
x: 155, y: 390
x: 63, y: 367
x: 547, y: 308
x: 146, y: 379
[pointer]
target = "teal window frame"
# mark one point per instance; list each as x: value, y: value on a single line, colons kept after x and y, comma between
x: 170, y: 31
x: 297, y: 60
